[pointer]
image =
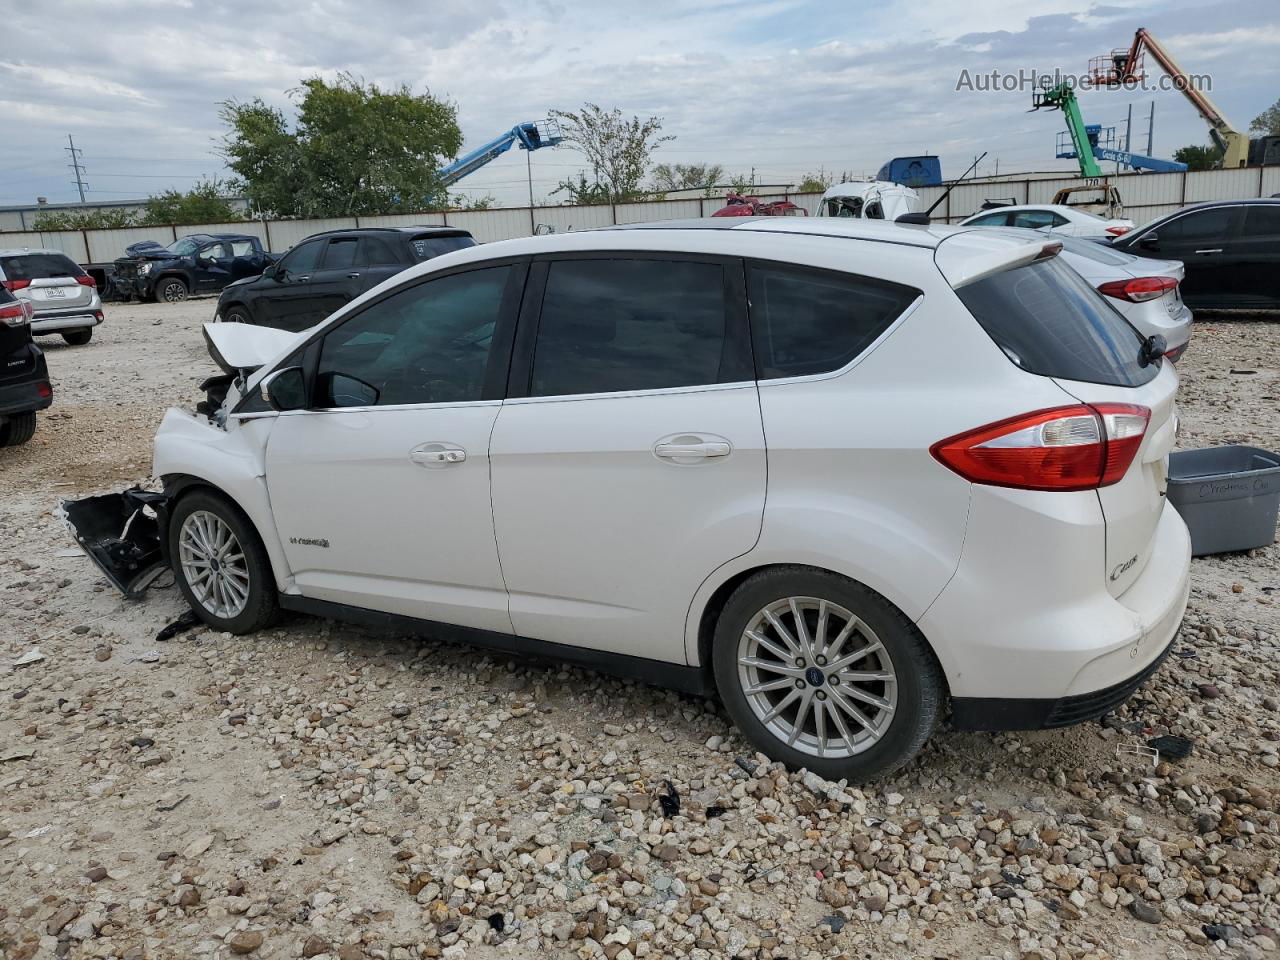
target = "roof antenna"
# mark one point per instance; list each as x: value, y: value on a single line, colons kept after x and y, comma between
x: 923, y: 218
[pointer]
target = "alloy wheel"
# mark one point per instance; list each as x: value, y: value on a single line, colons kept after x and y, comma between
x: 214, y: 564
x: 174, y: 292
x: 817, y: 677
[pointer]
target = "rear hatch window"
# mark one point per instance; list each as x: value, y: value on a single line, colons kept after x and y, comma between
x: 424, y: 248
x: 38, y: 266
x: 1049, y: 321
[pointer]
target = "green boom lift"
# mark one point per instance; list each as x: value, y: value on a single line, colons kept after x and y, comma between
x: 1063, y: 97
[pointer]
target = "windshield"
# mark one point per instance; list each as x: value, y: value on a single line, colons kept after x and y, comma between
x: 1092, y: 250
x: 424, y: 248
x: 184, y: 247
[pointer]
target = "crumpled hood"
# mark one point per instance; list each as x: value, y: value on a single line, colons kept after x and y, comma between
x: 241, y: 348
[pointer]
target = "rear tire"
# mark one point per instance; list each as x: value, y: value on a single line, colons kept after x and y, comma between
x: 887, y: 693
x: 220, y: 564
x: 78, y: 338
x: 18, y: 429
x: 171, y: 290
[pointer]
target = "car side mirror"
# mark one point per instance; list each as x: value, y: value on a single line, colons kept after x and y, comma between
x: 1149, y: 242
x: 271, y: 271
x: 1153, y: 348
x: 284, y: 389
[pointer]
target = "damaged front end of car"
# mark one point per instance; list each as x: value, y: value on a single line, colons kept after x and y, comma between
x: 123, y: 534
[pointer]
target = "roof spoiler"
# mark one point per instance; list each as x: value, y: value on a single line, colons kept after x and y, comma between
x: 968, y: 257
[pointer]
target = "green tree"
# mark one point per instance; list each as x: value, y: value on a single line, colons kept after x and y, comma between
x: 583, y: 191
x: 617, y: 148
x: 742, y: 184
x: 83, y: 219
x: 1198, y: 157
x: 460, y: 201
x: 687, y: 176
x: 816, y: 182
x: 203, y: 203
x: 1267, y: 122
x: 354, y: 149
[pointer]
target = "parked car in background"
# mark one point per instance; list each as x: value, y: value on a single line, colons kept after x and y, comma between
x: 557, y: 445
x: 1146, y: 292
x: 64, y: 298
x: 1230, y: 248
x: 327, y: 271
x: 867, y: 199
x: 1065, y: 220
x: 200, y: 263
x: 1102, y: 200
x: 24, y: 377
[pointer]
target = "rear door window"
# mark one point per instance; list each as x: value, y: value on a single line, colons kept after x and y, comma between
x: 1037, y: 219
x: 611, y: 325
x: 990, y: 220
x: 38, y: 266
x: 1262, y: 222
x: 340, y: 253
x: 1049, y: 321
x: 806, y: 322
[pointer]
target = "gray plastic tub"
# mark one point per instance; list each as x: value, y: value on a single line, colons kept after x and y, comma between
x: 1227, y: 495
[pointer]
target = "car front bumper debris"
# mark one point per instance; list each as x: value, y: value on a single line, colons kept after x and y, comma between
x: 124, y: 534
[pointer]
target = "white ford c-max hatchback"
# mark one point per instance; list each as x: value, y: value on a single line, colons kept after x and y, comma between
x: 842, y: 472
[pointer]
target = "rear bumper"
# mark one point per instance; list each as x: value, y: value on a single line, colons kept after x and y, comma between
x: 1043, y: 643
x: 66, y: 320
x: 30, y: 390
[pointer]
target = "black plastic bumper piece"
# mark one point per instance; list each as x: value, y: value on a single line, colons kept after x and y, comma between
x: 1010, y: 713
x: 124, y: 534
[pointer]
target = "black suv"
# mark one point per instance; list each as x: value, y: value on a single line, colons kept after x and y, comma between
x: 24, y: 378
x: 328, y: 270
x: 1230, y: 248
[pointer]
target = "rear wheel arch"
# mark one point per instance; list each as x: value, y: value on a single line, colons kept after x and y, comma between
x: 709, y: 616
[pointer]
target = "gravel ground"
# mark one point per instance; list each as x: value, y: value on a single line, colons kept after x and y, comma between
x: 327, y: 791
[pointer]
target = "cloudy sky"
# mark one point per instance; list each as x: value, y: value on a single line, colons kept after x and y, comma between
x: 780, y: 87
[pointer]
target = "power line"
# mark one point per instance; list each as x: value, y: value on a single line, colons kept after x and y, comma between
x: 76, y: 165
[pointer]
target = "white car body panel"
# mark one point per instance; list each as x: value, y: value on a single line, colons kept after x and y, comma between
x: 245, y: 346
x: 363, y: 524
x: 894, y: 198
x: 1080, y: 223
x: 585, y: 563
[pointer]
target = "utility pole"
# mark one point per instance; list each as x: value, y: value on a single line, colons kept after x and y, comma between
x: 528, y: 166
x: 76, y: 166
x: 1151, y: 126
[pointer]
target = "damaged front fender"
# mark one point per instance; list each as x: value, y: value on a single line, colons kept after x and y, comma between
x: 125, y: 534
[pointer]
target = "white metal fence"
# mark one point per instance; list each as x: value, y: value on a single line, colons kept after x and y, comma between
x: 1145, y: 196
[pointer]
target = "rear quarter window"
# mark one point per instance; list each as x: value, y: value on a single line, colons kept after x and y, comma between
x: 424, y: 248
x: 1049, y: 321
x: 806, y: 321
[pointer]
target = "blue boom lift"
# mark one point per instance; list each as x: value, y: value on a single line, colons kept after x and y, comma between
x: 530, y: 136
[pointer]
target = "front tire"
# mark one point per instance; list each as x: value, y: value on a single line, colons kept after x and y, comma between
x: 237, y: 314
x: 220, y: 564
x: 78, y: 338
x: 818, y: 671
x: 18, y: 429
x: 171, y: 290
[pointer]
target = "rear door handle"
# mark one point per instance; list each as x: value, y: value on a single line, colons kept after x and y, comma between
x: 436, y: 455
x: 353, y: 276
x: 302, y: 279
x: 1214, y: 250
x: 688, y: 448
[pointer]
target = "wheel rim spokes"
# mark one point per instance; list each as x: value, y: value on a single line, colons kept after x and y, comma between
x: 817, y: 677
x: 213, y: 564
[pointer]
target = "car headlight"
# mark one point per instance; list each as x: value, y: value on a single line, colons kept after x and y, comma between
x: 144, y: 269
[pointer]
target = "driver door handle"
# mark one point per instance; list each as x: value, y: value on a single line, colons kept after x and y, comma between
x: 353, y: 276
x: 1214, y: 250
x: 436, y: 454
x: 302, y: 279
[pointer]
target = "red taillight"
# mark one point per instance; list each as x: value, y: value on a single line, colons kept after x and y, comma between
x: 1118, y: 231
x: 12, y: 285
x: 1139, y: 289
x: 1079, y: 447
x: 16, y: 314
x: 86, y: 281
x: 43, y: 390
